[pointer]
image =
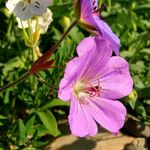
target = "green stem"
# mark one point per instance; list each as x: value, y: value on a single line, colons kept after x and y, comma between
x: 26, y: 75
x: 109, y: 6
x: 24, y: 31
x: 64, y: 35
x: 30, y: 31
x: 22, y: 78
x: 100, y: 3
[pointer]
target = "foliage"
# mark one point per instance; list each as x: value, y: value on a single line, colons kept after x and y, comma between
x: 29, y: 112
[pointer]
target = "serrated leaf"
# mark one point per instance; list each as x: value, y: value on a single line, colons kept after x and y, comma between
x: 49, y: 122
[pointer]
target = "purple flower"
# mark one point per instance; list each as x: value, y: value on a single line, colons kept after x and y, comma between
x: 93, y: 82
x: 106, y: 31
x: 90, y: 20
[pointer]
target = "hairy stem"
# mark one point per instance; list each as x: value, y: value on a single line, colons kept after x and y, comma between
x: 22, y: 78
x: 64, y: 35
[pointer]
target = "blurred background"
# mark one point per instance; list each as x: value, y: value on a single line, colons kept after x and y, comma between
x: 31, y: 115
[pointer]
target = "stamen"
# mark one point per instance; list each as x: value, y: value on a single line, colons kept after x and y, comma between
x: 95, y: 90
x: 83, y: 89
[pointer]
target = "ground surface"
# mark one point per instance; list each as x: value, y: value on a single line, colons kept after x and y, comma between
x: 103, y: 141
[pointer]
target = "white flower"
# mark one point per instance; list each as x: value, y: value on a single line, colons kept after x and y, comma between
x: 11, y: 4
x: 26, y: 9
x: 43, y: 22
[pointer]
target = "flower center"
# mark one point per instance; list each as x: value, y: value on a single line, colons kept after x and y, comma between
x: 84, y: 89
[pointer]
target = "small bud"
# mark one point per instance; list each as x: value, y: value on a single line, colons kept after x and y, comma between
x: 65, y: 22
x: 132, y: 96
x: 84, y: 13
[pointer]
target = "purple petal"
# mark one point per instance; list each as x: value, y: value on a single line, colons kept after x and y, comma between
x: 86, y: 45
x: 96, y: 57
x: 86, y: 13
x: 65, y: 90
x: 115, y: 79
x: 107, y: 33
x: 108, y: 113
x: 80, y: 120
x: 66, y: 84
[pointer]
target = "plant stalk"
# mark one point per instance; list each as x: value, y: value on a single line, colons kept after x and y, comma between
x: 22, y: 78
x: 26, y: 75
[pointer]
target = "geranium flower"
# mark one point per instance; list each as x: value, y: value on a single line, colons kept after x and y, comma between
x: 90, y: 19
x: 106, y: 31
x: 43, y: 22
x: 93, y: 82
x: 26, y: 9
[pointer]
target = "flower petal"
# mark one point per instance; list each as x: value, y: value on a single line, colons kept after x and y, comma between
x: 108, y: 113
x: 86, y: 45
x: 107, y: 33
x: 66, y: 84
x: 96, y: 57
x: 86, y: 66
x: 115, y: 79
x: 65, y: 90
x: 23, y: 12
x: 86, y: 12
x: 10, y: 4
x: 81, y: 122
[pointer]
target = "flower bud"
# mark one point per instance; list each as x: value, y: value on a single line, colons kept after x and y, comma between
x: 65, y: 22
x: 132, y: 95
x: 84, y: 12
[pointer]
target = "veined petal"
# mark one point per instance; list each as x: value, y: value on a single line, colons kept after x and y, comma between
x: 115, y: 79
x: 65, y: 89
x: 39, y: 7
x: 23, y: 12
x: 108, y: 113
x: 86, y: 45
x: 107, y: 33
x: 86, y: 13
x: 11, y: 4
x: 80, y: 120
x: 95, y: 59
x: 66, y: 85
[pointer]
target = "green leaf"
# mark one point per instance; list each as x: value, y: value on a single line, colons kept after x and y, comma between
x: 145, y: 50
x: 140, y: 110
x: 49, y: 122
x: 55, y: 102
x: 2, y: 117
x: 22, y: 132
x: 58, y: 10
x: 6, y: 98
x: 29, y: 125
x: 145, y: 93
